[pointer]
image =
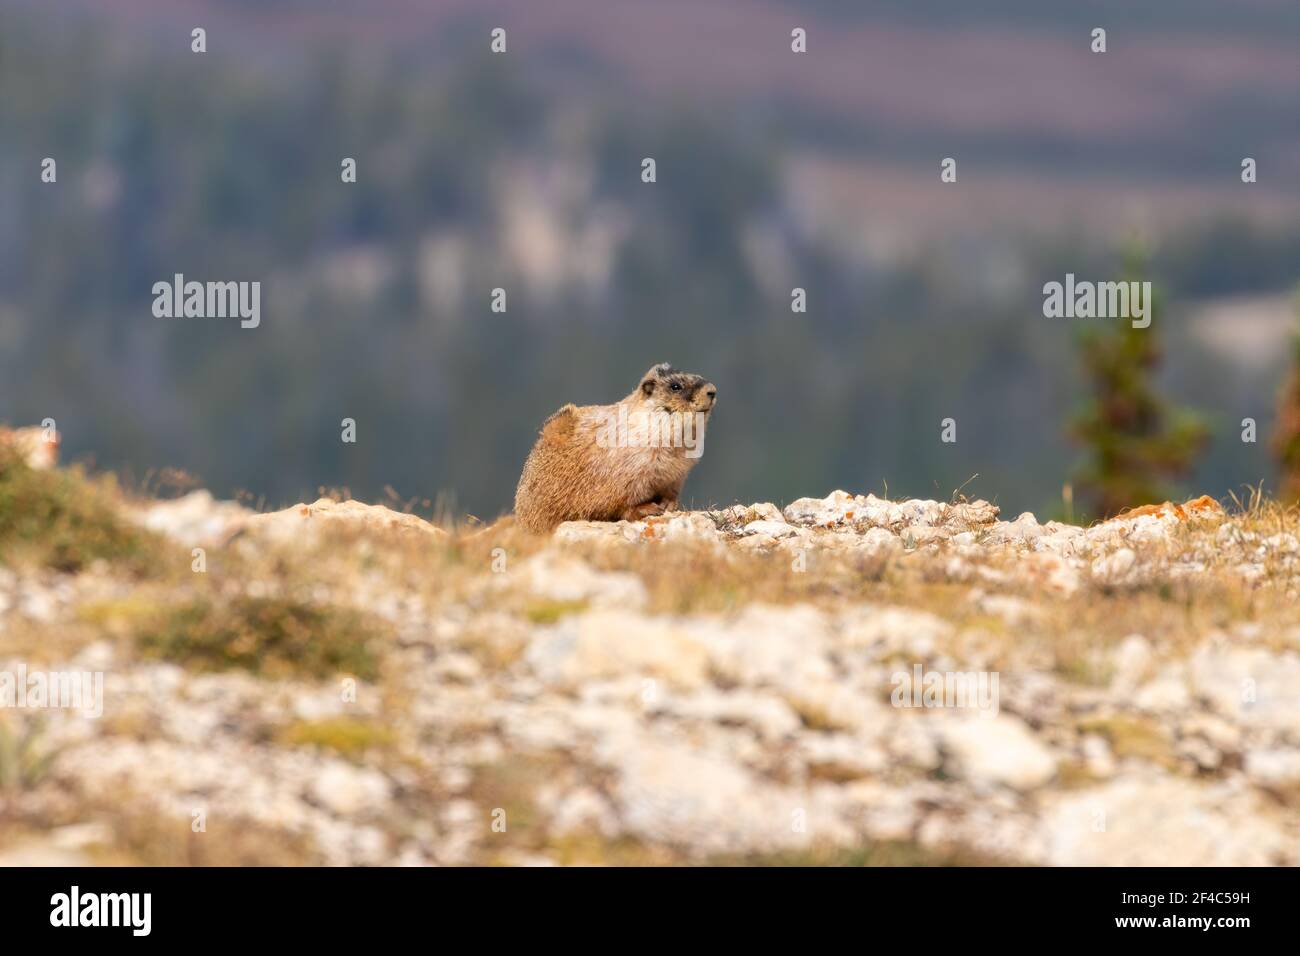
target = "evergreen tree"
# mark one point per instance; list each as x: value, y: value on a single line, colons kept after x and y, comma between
x: 1135, y: 441
x: 1286, y: 435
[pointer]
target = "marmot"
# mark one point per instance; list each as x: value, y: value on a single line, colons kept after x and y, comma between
x: 622, y: 461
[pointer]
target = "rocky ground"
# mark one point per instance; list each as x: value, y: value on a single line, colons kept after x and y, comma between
x: 339, y: 683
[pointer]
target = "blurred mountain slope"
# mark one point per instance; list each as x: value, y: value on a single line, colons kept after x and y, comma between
x: 522, y: 173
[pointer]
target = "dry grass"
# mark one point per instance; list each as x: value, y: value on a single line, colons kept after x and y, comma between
x: 348, y: 737
x: 25, y: 757
x: 892, y: 853
x: 143, y: 837
x: 1133, y: 737
x: 270, y: 637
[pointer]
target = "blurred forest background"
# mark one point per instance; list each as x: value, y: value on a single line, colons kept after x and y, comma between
x: 522, y: 170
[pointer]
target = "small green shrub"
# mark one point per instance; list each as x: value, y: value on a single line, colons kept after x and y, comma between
x: 60, y: 519
x: 545, y: 611
x: 271, y: 637
x: 24, y: 760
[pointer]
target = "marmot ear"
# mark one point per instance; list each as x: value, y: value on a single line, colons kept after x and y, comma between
x: 648, y: 386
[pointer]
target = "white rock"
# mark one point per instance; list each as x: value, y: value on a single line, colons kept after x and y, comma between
x: 1163, y: 821
x: 689, y: 526
x: 1056, y: 571
x: 770, y: 716
x: 610, y: 532
x: 582, y: 811
x: 912, y: 742
x: 33, y: 853
x: 1222, y: 734
x: 1254, y: 686
x: 95, y: 656
x: 888, y: 630
x: 1097, y: 756
x: 775, y: 529
x: 1115, y: 569
x: 842, y: 756
x: 1273, y: 768
x: 768, y: 645
x: 196, y: 519
x: 39, y: 604
x: 996, y: 750
x: 559, y: 577
x: 1282, y: 543
x: 820, y: 512
x: 457, y: 667
x: 762, y: 511
x: 878, y: 539
x: 456, y: 779
x: 78, y: 836
x: 348, y: 790
x: 922, y: 512
x: 609, y: 643
x: 831, y: 704
x: 1166, y: 693
x: 1131, y: 659
x: 889, y: 812
x: 703, y: 804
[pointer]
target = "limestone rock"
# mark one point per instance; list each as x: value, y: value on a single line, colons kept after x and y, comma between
x: 348, y: 790
x: 559, y: 577
x: 996, y: 750
x: 1164, y: 821
x: 668, y: 793
x: 613, y: 643
x: 197, y: 519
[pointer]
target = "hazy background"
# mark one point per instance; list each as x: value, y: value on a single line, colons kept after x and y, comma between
x: 523, y: 171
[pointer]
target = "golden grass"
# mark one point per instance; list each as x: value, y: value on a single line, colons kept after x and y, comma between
x: 141, y: 837
x: 348, y: 737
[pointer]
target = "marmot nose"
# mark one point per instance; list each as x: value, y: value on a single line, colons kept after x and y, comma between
x: 712, y: 393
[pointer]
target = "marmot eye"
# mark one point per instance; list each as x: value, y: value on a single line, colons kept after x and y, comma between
x: 676, y: 386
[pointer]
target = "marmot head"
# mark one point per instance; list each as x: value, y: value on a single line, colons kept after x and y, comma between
x: 672, y: 391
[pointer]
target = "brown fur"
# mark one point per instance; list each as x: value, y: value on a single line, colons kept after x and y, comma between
x: 571, y: 476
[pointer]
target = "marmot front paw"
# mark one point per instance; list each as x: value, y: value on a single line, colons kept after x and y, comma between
x: 641, y: 512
